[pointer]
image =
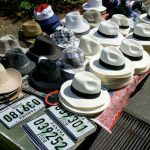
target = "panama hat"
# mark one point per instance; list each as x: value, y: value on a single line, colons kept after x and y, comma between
x: 93, y: 17
x: 10, y: 79
x: 123, y: 22
x: 141, y: 34
x: 107, y: 33
x: 75, y: 21
x: 111, y: 63
x: 9, y: 42
x: 94, y: 5
x: 145, y: 17
x: 90, y: 45
x: 84, y: 93
x: 134, y: 51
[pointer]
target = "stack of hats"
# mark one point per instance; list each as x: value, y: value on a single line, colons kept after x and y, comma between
x: 134, y: 51
x: 45, y: 16
x: 145, y: 18
x: 72, y: 61
x: 114, y: 70
x: 83, y: 95
x: 10, y: 84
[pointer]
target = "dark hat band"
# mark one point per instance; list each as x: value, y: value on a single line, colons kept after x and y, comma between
x: 31, y: 37
x: 84, y: 95
x: 133, y: 58
x: 141, y: 37
x: 148, y: 16
x: 123, y: 27
x: 107, y: 36
x: 111, y: 67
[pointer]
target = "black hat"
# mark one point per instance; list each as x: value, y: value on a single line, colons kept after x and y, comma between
x: 15, y: 58
x: 44, y: 46
x: 46, y: 77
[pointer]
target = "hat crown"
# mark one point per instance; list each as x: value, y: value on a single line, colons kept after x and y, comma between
x: 131, y: 48
x: 4, y: 77
x: 89, y: 45
x: 109, y: 28
x: 120, y: 19
x: 95, y: 3
x: 31, y: 29
x: 86, y: 82
x: 142, y: 29
x: 112, y: 56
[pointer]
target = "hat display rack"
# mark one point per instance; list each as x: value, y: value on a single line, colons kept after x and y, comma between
x: 82, y: 55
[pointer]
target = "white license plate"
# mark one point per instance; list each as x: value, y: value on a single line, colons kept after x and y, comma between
x: 47, y: 135
x: 19, y: 111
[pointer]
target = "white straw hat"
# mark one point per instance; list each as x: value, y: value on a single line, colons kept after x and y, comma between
x: 75, y: 21
x: 84, y: 94
x: 111, y: 63
x: 141, y: 34
x: 107, y: 33
x: 145, y: 17
x: 94, y: 5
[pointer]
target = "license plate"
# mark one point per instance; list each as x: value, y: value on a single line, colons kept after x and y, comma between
x: 77, y: 126
x: 46, y: 135
x: 19, y: 111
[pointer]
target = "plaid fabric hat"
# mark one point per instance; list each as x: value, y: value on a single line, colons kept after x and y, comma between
x: 65, y: 37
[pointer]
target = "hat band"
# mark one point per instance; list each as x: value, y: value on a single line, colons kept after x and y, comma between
x: 107, y: 36
x: 84, y: 95
x: 111, y: 67
x: 133, y: 58
x: 31, y: 37
x: 141, y: 37
x: 123, y: 27
x: 148, y: 16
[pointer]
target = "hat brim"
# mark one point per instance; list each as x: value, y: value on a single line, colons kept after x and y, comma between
x: 142, y: 42
x: 97, y: 68
x: 125, y: 31
x: 13, y: 83
x: 76, y: 102
x: 107, y: 41
x: 141, y: 71
x: 45, y: 86
x: 85, y: 6
x: 144, y: 18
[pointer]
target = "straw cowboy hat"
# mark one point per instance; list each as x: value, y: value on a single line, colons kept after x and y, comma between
x: 134, y: 51
x: 123, y: 22
x: 9, y: 42
x: 10, y: 79
x: 111, y: 63
x: 94, y: 5
x: 90, y: 45
x: 75, y: 21
x: 107, y: 33
x: 83, y: 94
x: 145, y: 18
x: 141, y: 34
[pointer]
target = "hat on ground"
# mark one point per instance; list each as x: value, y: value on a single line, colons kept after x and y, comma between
x: 93, y: 17
x: 111, y: 63
x: 30, y: 30
x: 15, y: 58
x: 9, y: 42
x: 64, y: 37
x: 107, y: 33
x: 123, y: 22
x: 46, y: 77
x: 72, y: 61
x: 83, y: 94
x: 145, y: 17
x: 134, y: 51
x: 46, y: 18
x: 75, y: 21
x: 44, y: 46
x: 94, y: 5
x: 141, y: 34
x: 90, y: 45
x: 10, y: 79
